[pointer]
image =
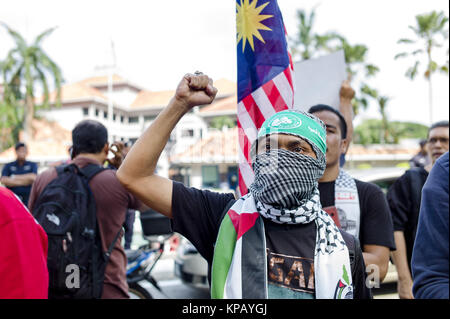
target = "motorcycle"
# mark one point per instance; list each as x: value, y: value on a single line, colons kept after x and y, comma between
x: 156, y: 230
x: 140, y: 264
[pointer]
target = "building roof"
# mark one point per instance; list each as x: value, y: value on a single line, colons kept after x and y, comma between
x: 227, y: 105
x: 152, y: 99
x: 222, y: 146
x: 225, y: 87
x: 49, y: 140
x: 75, y: 92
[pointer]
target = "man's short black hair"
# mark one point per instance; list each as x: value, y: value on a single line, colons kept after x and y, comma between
x: 89, y: 137
x: 323, y: 107
x: 19, y: 145
x: 438, y: 124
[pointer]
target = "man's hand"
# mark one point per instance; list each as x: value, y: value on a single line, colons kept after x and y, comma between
x: 117, y: 149
x: 195, y: 90
x: 346, y: 93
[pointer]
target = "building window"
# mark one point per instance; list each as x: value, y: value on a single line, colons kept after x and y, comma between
x: 133, y: 119
x: 96, y: 112
x: 210, y: 176
x: 85, y: 111
x: 149, y: 118
x: 187, y: 133
x: 105, y: 115
x: 114, y: 117
x: 121, y: 119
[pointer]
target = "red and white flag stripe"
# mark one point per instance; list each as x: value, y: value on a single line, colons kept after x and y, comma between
x: 274, y: 96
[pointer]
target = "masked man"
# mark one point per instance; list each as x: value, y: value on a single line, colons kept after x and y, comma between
x: 274, y: 242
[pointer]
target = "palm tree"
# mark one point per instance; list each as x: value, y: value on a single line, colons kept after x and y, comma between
x: 382, y: 101
x: 308, y: 44
x: 429, y: 27
x: 24, y: 67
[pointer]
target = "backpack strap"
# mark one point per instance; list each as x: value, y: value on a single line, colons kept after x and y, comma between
x: 111, y: 246
x: 90, y: 170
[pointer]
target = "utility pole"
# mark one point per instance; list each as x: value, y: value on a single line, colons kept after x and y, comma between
x: 111, y: 69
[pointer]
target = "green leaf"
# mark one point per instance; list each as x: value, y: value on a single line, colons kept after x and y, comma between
x: 401, y: 55
x: 345, y: 275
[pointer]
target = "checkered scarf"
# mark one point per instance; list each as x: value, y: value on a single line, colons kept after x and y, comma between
x: 285, y: 179
x: 285, y: 191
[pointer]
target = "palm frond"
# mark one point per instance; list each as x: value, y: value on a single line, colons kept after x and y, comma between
x: 43, y: 35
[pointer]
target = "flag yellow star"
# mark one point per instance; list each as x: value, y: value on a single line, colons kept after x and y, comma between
x: 248, y: 22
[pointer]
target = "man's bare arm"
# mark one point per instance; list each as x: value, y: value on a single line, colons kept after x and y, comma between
x: 18, y: 180
x: 137, y: 172
x: 405, y: 282
x: 346, y: 95
x: 379, y: 256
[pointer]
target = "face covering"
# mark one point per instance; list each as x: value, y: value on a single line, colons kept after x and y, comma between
x: 285, y: 179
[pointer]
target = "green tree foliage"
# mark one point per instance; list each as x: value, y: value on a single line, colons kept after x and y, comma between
x: 371, y: 131
x: 307, y: 44
x: 221, y: 121
x: 430, y: 32
x: 26, y: 69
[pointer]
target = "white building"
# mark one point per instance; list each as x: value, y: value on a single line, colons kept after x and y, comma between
x: 133, y: 110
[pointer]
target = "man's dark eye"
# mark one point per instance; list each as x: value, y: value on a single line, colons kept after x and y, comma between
x: 298, y: 149
x: 267, y: 147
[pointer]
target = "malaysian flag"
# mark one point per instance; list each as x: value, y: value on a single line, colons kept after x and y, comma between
x: 265, y: 74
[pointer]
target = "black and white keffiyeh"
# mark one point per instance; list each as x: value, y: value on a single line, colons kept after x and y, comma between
x: 286, y: 191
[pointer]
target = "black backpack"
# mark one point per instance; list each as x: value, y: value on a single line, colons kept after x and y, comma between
x: 66, y: 210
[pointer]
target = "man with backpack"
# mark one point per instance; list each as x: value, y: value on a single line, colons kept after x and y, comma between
x: 274, y: 242
x: 404, y: 198
x: 82, y: 206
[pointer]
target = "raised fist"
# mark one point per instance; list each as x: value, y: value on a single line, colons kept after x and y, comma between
x: 195, y: 89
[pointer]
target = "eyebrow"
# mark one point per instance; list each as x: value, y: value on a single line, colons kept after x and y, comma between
x: 331, y: 126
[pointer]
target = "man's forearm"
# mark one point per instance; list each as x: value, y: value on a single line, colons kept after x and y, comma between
x: 142, y: 159
x: 346, y: 110
x: 399, y: 257
x: 15, y: 181
x: 374, y: 259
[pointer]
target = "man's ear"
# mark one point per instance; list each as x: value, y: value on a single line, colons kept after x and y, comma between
x: 344, y: 146
x: 105, y: 149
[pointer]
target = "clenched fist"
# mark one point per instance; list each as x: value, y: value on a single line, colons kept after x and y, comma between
x: 195, y: 90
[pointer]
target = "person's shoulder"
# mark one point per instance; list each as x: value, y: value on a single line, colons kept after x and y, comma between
x: 48, y: 173
x: 180, y: 187
x: 8, y: 165
x: 442, y: 162
x: 31, y: 163
x: 367, y: 186
x: 107, y: 177
x: 11, y: 207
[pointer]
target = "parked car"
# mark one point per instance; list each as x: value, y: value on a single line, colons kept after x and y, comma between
x: 192, y: 268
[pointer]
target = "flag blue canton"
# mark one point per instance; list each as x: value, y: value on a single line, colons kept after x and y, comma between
x: 267, y: 60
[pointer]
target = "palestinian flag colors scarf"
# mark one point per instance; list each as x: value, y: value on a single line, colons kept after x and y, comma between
x: 239, y: 269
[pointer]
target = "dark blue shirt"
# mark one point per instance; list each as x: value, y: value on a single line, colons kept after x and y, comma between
x: 14, y: 168
x: 430, y: 260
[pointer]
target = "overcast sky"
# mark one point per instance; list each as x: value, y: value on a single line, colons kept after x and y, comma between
x: 156, y: 42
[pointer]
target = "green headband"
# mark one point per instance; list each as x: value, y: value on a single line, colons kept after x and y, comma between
x: 296, y: 123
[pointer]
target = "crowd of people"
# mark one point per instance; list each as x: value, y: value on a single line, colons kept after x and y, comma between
x: 306, y: 229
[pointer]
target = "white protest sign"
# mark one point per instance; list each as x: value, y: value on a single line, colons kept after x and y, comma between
x: 318, y: 81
